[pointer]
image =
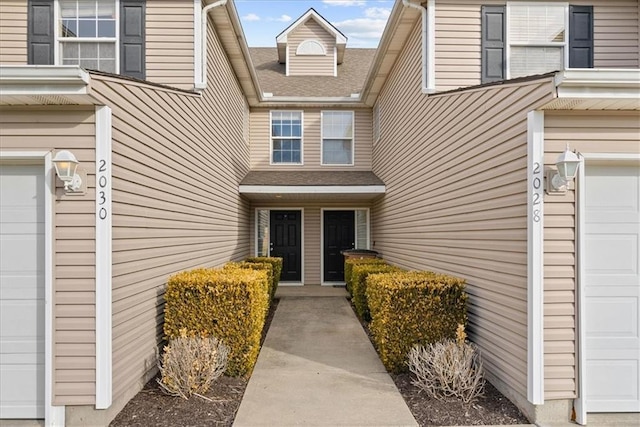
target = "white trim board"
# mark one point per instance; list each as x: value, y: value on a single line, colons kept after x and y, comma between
x: 53, y: 415
x: 103, y: 215
x: 535, y: 257
x: 312, y: 189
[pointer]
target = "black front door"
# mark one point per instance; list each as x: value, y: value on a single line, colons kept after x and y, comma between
x: 285, y: 242
x: 339, y: 234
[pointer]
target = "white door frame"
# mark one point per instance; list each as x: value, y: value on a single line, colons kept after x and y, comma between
x: 54, y: 415
x: 322, y: 211
x: 581, y: 404
x: 255, y: 238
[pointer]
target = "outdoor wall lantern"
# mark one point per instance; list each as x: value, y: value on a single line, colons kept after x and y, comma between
x: 567, y: 168
x: 66, y: 166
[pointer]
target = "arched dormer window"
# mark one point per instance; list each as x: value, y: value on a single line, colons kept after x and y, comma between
x: 310, y: 47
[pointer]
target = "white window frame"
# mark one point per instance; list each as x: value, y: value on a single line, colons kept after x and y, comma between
x: 58, y: 40
x: 353, y: 137
x: 564, y: 45
x: 271, y: 138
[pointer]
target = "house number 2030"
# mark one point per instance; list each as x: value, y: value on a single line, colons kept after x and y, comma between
x: 103, y: 181
x: 536, y: 193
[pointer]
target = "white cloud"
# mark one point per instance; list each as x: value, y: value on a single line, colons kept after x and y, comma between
x: 366, y: 31
x: 251, y: 17
x: 377, y: 12
x: 344, y: 2
x: 284, y: 18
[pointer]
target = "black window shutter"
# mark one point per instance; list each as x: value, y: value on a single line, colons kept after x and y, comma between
x: 492, y: 43
x: 132, y: 40
x: 580, y: 36
x: 40, y: 37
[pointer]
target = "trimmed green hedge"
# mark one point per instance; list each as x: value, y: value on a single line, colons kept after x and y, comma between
x: 359, y: 275
x: 348, y: 268
x: 229, y: 304
x: 412, y: 308
x: 276, y: 264
x: 266, y: 266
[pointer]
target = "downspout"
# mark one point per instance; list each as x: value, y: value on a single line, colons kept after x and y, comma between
x: 201, y: 83
x: 428, y: 43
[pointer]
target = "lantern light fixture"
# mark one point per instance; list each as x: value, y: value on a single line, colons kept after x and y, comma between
x: 567, y: 167
x: 66, y: 166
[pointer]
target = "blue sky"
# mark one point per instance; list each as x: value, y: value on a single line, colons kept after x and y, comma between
x: 361, y: 21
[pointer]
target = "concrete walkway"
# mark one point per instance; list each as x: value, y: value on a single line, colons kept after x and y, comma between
x: 317, y: 367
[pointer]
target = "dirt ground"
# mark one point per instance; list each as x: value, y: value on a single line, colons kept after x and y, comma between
x: 151, y: 407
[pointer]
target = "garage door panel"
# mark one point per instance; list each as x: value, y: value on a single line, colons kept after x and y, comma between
x: 611, y: 392
x: 621, y: 320
x: 23, y: 399
x: 612, y: 288
x: 615, y: 254
x: 22, y: 291
x: 22, y: 319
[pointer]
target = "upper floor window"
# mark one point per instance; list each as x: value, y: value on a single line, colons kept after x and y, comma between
x: 337, y: 137
x: 537, y: 38
x: 87, y: 34
x: 533, y: 38
x: 286, y: 137
x: 104, y: 35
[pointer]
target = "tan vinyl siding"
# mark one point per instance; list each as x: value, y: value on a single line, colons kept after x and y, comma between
x: 260, y: 134
x: 456, y: 199
x: 312, y: 232
x: 616, y: 29
x: 13, y: 32
x: 55, y: 128
x: 177, y: 162
x: 596, y: 132
x: 169, y: 43
x: 311, y: 65
x: 458, y: 32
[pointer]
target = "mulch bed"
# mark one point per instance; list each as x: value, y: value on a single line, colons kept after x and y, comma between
x: 152, y: 407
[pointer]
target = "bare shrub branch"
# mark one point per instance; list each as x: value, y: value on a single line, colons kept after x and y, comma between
x: 191, y: 364
x: 448, y: 369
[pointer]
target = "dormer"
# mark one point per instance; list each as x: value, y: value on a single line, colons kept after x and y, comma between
x: 311, y: 46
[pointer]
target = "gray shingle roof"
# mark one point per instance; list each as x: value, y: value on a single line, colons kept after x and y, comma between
x: 351, y: 75
x: 311, y: 178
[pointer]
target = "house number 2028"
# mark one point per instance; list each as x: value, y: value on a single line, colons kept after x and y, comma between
x: 102, y: 185
x: 536, y: 197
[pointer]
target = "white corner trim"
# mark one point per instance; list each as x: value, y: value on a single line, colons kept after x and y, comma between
x: 104, y: 381
x: 197, y: 43
x: 54, y: 416
x: 580, y: 403
x: 315, y: 189
x: 430, y: 78
x: 535, y: 257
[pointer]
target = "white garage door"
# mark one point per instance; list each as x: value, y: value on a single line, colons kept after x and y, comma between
x: 612, y: 288
x: 21, y: 291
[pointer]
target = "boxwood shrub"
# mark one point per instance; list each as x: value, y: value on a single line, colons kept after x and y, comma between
x: 266, y: 266
x: 276, y: 264
x: 410, y: 308
x: 348, y: 268
x: 229, y: 304
x: 359, y: 275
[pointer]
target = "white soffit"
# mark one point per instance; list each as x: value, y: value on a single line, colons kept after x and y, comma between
x: 597, y: 89
x: 44, y: 84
